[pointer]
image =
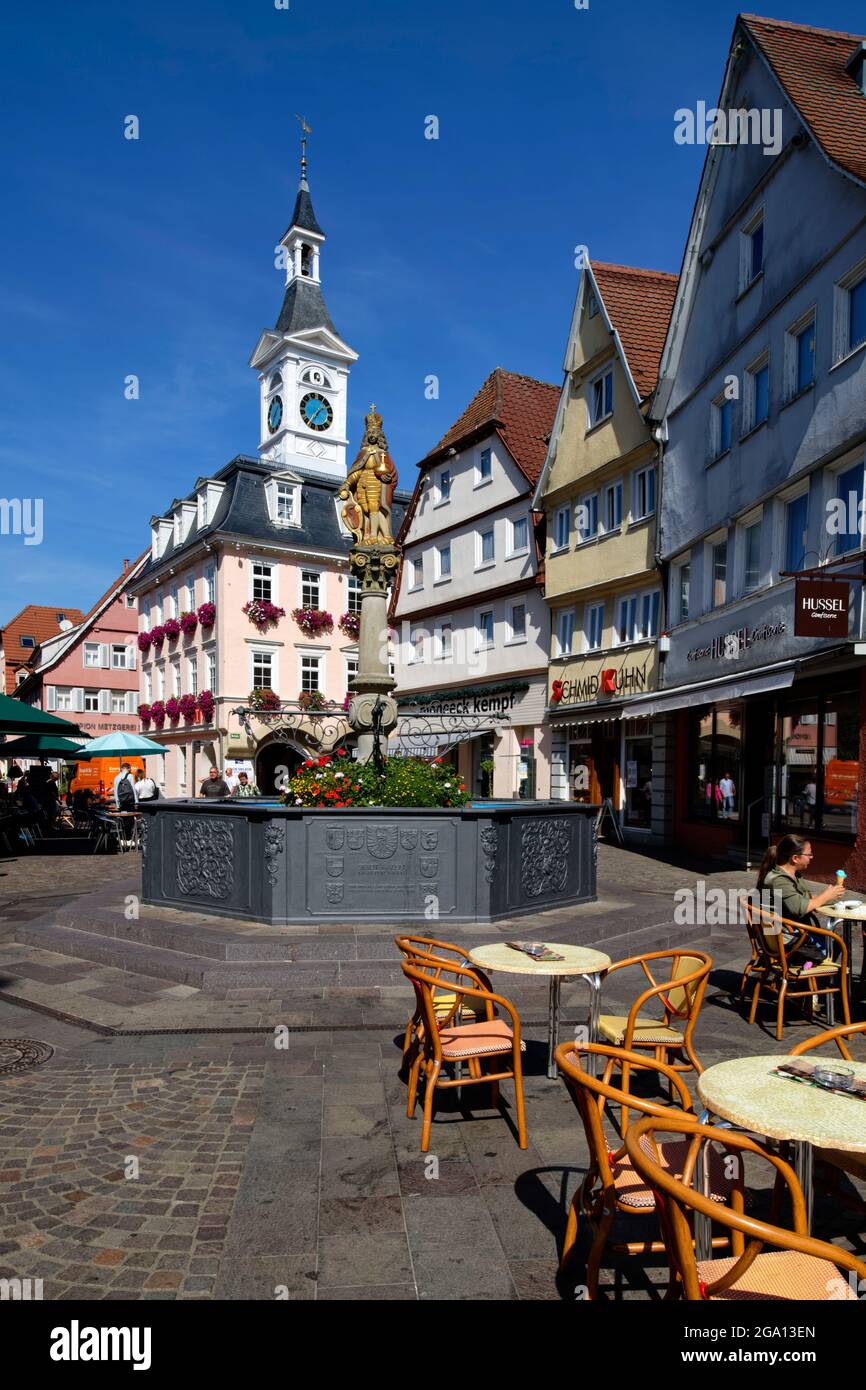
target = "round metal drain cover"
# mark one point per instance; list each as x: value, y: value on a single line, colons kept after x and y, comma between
x: 16, y: 1054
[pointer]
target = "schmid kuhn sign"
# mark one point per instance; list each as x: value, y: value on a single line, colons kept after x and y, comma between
x: 599, y: 680
x: 821, y: 608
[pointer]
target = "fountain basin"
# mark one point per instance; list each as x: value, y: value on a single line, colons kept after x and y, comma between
x: 419, y: 865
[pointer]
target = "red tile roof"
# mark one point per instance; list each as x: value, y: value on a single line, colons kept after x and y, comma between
x: 810, y: 65
x: 520, y: 408
x: 638, y: 304
x: 34, y: 621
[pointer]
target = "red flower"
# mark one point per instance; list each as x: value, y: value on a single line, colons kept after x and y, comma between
x: 323, y: 762
x: 308, y: 763
x: 342, y: 753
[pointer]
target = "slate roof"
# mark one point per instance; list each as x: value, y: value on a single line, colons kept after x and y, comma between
x: 303, y: 307
x: 638, y: 304
x: 242, y: 510
x: 519, y: 408
x: 303, y: 215
x: 810, y: 65
x: 37, y: 621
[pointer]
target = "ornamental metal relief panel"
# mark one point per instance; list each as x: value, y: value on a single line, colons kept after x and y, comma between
x: 204, y: 856
x: 545, y: 846
x: 275, y: 845
x: 489, y: 848
x: 382, y: 868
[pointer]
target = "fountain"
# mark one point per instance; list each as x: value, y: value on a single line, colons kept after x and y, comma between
x: 285, y: 864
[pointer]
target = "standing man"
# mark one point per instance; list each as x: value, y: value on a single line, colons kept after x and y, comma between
x: 729, y: 791
x: 214, y: 785
x: 245, y: 787
x: 125, y: 799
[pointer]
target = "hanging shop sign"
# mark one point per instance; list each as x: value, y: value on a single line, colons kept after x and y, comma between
x: 821, y: 608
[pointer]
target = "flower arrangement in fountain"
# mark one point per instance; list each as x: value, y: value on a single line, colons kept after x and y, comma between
x: 145, y: 640
x: 207, y: 614
x: 263, y: 613
x: 157, y: 713
x: 188, y: 706
x: 207, y: 705
x: 188, y: 623
x: 172, y: 709
x: 313, y: 622
x: 264, y: 698
x: 312, y: 700
x: 338, y: 781
x: 350, y: 624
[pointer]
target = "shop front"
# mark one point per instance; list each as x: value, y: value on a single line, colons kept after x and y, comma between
x: 600, y: 751
x: 766, y: 730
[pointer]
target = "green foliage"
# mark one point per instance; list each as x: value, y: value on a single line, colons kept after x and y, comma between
x: 339, y: 781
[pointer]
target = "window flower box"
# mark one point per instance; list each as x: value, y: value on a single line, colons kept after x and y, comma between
x: 171, y: 628
x: 172, y: 709
x: 263, y: 613
x: 313, y: 622
x: 188, y: 623
x: 207, y: 614
x: 262, y: 698
x: 206, y: 704
x: 188, y: 706
x: 312, y: 700
x: 144, y: 713
x: 145, y: 640
x: 157, y: 635
x: 157, y: 713
x: 350, y: 624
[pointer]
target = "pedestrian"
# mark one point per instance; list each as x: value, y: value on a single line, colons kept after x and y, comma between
x: 245, y: 787
x: 145, y: 787
x: 214, y: 786
x: 728, y: 791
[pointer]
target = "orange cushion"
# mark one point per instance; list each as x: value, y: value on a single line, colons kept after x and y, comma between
x: 472, y: 1039
x: 782, y: 1274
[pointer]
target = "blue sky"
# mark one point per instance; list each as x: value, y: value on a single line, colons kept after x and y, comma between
x: 449, y: 257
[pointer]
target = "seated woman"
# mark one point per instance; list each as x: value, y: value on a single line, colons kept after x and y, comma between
x: 780, y: 878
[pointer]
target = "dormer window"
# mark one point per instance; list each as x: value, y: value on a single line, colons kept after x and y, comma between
x: 284, y: 500
x: 184, y: 515
x: 208, y: 494
x: 160, y: 533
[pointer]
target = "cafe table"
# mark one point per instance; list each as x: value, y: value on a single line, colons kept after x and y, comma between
x: 746, y: 1092
x: 843, y: 918
x: 576, y: 960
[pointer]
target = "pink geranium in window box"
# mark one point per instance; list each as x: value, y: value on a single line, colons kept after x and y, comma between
x: 262, y: 612
x: 350, y: 623
x: 206, y: 704
x: 144, y: 641
x: 171, y: 628
x: 313, y: 622
x: 172, y: 709
x: 157, y: 713
x: 144, y: 713
x: 188, y: 704
x: 188, y: 623
x: 157, y: 635
x: 207, y: 614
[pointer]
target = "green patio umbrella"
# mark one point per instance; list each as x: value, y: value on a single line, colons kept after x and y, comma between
x: 122, y: 744
x: 18, y: 718
x: 43, y: 746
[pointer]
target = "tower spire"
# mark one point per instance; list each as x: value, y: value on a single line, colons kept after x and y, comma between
x: 305, y: 131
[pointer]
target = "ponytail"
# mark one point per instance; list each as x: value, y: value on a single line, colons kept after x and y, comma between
x: 782, y: 853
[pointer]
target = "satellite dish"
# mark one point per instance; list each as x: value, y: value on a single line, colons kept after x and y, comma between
x: 65, y: 625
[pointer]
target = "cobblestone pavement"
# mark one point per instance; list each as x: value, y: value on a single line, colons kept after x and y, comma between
x: 203, y: 1166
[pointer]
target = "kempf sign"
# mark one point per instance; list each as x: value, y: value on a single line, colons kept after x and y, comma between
x: 821, y: 608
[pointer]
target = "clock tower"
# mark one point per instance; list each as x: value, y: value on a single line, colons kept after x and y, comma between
x: 302, y: 362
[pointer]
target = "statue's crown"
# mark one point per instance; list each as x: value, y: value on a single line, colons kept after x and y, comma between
x: 373, y: 420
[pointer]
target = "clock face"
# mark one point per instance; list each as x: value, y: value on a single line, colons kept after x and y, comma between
x: 275, y: 414
x: 316, y: 412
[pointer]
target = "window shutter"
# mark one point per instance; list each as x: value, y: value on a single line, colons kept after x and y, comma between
x: 105, y: 701
x: 131, y: 701
x: 104, y: 655
x: 78, y: 699
x: 130, y: 658
x: 51, y: 697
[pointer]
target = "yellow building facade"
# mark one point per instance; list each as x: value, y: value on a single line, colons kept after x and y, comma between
x: 599, y: 490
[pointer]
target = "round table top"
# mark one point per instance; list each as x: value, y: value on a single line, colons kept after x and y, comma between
x: 577, y: 960
x: 847, y: 914
x: 744, y: 1091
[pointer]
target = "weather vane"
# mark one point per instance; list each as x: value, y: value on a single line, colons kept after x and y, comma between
x: 305, y: 131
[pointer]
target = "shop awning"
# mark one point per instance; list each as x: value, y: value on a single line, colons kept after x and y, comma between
x: 715, y: 692
x: 599, y: 715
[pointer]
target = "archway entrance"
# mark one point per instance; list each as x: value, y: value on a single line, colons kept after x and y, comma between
x: 275, y: 763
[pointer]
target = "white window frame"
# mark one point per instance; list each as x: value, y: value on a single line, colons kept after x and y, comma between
x: 192, y: 673
x: 181, y: 766
x: 747, y: 232
x: 321, y: 674
x: 319, y: 579
x: 481, y: 642
x: 417, y: 646
x: 599, y: 377
x: 513, y: 547
x: 585, y: 503
x: 278, y: 487
x: 649, y: 471
x: 588, y: 610
x: 638, y: 598
x: 558, y: 647
x: 515, y: 637
x: 442, y: 496
x: 89, y: 649
x: 439, y: 551
x: 210, y: 583
x: 352, y: 660
x: 93, y: 697
x: 842, y: 312
x: 717, y: 405
x: 119, y: 648
x: 263, y: 649
x: 718, y: 538
x: 480, y: 479
x: 750, y: 394
x: 210, y: 658
x: 444, y: 651
x: 830, y: 489
x: 754, y: 518
x: 176, y: 687
x: 160, y: 681
x: 677, y: 572
x: 480, y: 562
x: 789, y: 366
x: 148, y: 687
x: 791, y: 494
x: 261, y: 561
x: 614, y: 486
x: 118, y: 702
x: 416, y: 573
x: 559, y: 547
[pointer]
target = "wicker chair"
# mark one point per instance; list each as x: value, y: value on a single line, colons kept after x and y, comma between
x: 442, y: 953
x: 612, y: 1187
x: 779, y: 968
x: 680, y: 991
x: 441, y: 1040
x: 798, y: 1267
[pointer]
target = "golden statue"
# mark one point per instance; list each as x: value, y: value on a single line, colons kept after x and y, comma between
x: 369, y: 487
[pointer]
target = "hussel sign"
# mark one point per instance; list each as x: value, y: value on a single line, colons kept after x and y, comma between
x: 821, y: 608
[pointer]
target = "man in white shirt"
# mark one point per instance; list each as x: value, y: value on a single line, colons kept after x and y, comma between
x: 728, y: 791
